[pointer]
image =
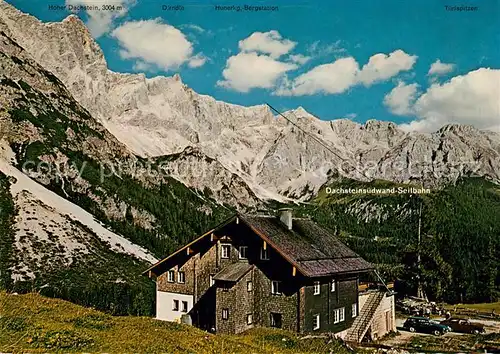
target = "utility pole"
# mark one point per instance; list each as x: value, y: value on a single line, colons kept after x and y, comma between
x: 420, y: 290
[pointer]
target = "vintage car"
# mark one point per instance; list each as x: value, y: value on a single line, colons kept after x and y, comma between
x: 463, y: 325
x: 425, y: 325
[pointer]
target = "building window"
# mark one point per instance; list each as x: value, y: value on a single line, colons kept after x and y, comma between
x: 316, y: 322
x: 212, y: 281
x: 170, y: 276
x: 249, y: 286
x: 317, y: 288
x: 275, y: 319
x: 249, y: 319
x: 333, y: 285
x: 225, y: 286
x: 225, y: 251
x: 181, y: 277
x: 354, y: 310
x: 264, y: 254
x: 276, y: 287
x: 242, y: 250
x: 225, y: 314
x: 184, y: 306
x: 339, y: 315
x: 175, y: 306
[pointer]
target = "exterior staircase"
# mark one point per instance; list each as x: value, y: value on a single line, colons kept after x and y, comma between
x: 365, y: 318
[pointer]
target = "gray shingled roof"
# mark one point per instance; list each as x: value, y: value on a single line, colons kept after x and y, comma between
x: 315, y: 250
x: 233, y: 272
x: 312, y: 249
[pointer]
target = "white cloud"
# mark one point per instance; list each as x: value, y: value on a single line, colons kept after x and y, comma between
x: 142, y: 66
x: 327, y: 78
x: 197, y: 61
x: 251, y: 70
x: 299, y: 58
x: 382, y: 67
x: 194, y: 27
x: 344, y: 73
x: 257, y: 64
x: 401, y: 98
x: 166, y: 47
x: 268, y: 43
x: 318, y: 49
x: 438, y: 68
x: 472, y: 98
x: 100, y: 21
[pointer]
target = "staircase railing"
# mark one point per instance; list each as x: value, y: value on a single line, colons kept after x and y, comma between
x: 371, y: 306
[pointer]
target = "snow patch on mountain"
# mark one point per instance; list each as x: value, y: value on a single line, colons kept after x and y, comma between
x: 57, y: 216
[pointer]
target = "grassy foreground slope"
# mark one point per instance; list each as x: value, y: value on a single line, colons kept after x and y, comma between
x: 33, y: 323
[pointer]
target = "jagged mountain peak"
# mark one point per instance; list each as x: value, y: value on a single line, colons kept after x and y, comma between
x: 74, y: 19
x: 163, y: 116
x: 374, y: 124
x: 299, y: 112
x: 458, y: 129
x: 177, y: 77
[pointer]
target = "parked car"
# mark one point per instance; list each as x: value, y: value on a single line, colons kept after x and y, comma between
x: 463, y: 325
x: 425, y: 325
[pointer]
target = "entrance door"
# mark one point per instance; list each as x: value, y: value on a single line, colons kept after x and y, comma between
x: 388, y: 321
x: 276, y: 320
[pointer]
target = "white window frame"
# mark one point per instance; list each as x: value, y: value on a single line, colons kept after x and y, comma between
x: 275, y: 287
x: 181, y: 274
x: 339, y: 315
x: 175, y: 305
x: 333, y: 286
x: 171, y: 276
x: 184, y: 306
x: 225, y: 314
x: 249, y: 285
x: 242, y: 255
x: 227, y: 247
x: 249, y: 319
x: 342, y: 314
x: 317, y: 288
x: 316, y: 322
x: 354, y: 309
x: 212, y: 280
x: 264, y: 254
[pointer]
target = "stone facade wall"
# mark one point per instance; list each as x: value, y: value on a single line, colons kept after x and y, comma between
x: 266, y: 303
x: 240, y: 303
x: 302, y: 310
x: 198, y: 267
x: 225, y: 300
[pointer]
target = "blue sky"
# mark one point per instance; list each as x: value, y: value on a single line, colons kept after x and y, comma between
x: 253, y: 57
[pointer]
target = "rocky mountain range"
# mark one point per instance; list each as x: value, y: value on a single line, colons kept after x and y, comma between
x: 65, y: 228
x: 244, y: 154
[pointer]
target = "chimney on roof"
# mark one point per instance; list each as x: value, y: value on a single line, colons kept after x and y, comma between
x: 286, y: 217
